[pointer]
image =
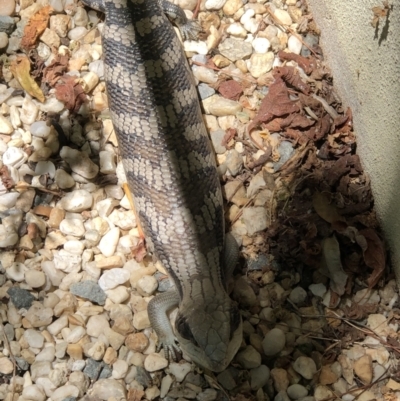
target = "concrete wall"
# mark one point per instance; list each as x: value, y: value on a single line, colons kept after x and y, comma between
x: 366, y: 69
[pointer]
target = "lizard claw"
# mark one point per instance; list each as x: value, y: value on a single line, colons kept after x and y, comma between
x: 171, y: 349
x: 190, y: 30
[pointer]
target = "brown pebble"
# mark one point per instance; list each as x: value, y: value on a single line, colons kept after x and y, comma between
x: 32, y: 230
x: 137, y: 342
x: 75, y: 351
x: 110, y: 356
x: 43, y: 210
x: 327, y: 376
x: 363, y: 369
x: 7, y: 7
x: 123, y: 325
x: 110, y: 263
x: 55, y: 217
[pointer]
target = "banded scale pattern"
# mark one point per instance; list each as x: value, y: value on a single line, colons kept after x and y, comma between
x: 171, y: 171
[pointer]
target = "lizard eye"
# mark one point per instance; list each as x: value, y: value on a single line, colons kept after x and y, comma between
x: 235, y: 320
x: 183, y: 329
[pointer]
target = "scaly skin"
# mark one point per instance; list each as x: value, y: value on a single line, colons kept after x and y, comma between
x: 171, y: 170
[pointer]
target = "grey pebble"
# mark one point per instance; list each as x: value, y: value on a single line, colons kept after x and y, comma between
x: 22, y: 364
x: 234, y: 161
x: 274, y: 342
x: 297, y: 391
x: 9, y: 331
x: 311, y: 41
x: 3, y: 40
x: 70, y: 399
x: 216, y: 139
x: 209, y: 394
x: 7, y: 24
x: 92, y: 368
x: 226, y: 379
x: 298, y: 295
x: 106, y: 372
x: 89, y: 290
x: 235, y: 49
x: 182, y: 392
x: 286, y: 150
x: 20, y: 298
x: 282, y: 396
x: 164, y: 284
x: 249, y: 358
x: 205, y: 91
x: 259, y: 377
x: 143, y: 377
x: 259, y: 263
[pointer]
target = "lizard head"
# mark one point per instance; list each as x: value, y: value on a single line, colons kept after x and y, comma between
x: 210, y: 334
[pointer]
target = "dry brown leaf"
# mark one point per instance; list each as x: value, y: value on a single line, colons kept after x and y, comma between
x: 6, y: 178
x: 291, y: 76
x: 20, y: 67
x: 275, y: 104
x: 55, y: 69
x: 35, y: 27
x: 230, y: 89
x: 374, y: 255
x: 70, y: 92
x: 306, y: 64
x: 333, y: 266
x: 325, y: 208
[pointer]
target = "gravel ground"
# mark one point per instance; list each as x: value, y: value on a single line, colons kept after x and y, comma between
x: 75, y: 280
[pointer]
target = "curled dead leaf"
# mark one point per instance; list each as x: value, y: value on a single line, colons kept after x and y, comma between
x: 332, y: 265
x: 35, y: 27
x: 20, y: 68
x: 325, y: 208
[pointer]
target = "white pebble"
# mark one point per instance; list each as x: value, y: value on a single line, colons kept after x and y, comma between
x: 34, y: 393
x: 45, y: 167
x: 199, y: 47
x: 107, y: 162
x: 9, y: 200
x: 77, y: 201
x: 16, y: 272
x: 5, y: 126
x: 113, y: 278
x: 46, y: 354
x: 214, y: 4
x: 14, y: 157
x: 73, y: 227
x: 294, y: 44
x: 283, y: 16
x: 118, y: 295
x: 34, y: 338
x: 109, y: 242
x: 261, y: 45
x: 75, y: 335
x: 51, y: 105
x: 65, y: 391
x: 147, y: 285
x: 59, y: 324
x: 237, y: 30
x: 77, y: 33
x: 35, y: 278
x: 120, y: 367
x: 63, y: 179
x: 40, y: 129
x: 155, y: 362
x: 74, y: 246
x: 29, y: 111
